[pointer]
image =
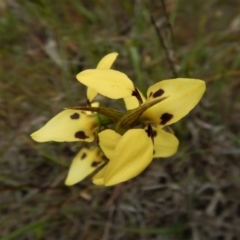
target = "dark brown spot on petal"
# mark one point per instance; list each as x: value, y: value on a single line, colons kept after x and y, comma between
x: 150, y: 94
x: 88, y: 103
x: 150, y: 132
x: 165, y: 118
x: 104, y: 158
x: 83, y: 156
x: 95, y: 164
x: 136, y: 94
x: 158, y: 93
x: 154, y: 151
x: 75, y: 116
x: 80, y: 135
x: 154, y: 133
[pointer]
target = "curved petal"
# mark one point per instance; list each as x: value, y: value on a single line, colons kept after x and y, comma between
x: 133, y: 153
x: 108, y: 82
x: 91, y: 94
x: 108, y: 140
x: 105, y: 63
x: 132, y: 102
x: 165, y: 144
x: 68, y: 126
x: 85, y: 163
x: 182, y: 96
x: 98, y: 178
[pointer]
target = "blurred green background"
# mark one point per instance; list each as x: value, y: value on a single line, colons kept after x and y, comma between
x: 192, y: 195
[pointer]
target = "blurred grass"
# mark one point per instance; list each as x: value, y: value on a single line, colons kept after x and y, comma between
x: 194, y: 194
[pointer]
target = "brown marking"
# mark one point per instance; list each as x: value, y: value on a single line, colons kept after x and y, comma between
x: 165, y: 118
x: 158, y: 93
x: 150, y: 132
x: 80, y: 135
x: 88, y: 103
x: 154, y: 133
x: 83, y: 156
x: 150, y: 94
x: 75, y: 116
x: 95, y: 163
x: 136, y: 94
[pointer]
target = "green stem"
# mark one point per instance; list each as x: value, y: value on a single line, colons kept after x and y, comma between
x: 104, y: 120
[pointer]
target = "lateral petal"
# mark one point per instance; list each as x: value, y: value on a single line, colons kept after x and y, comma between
x: 108, y: 82
x: 91, y: 94
x: 84, y: 163
x: 165, y: 144
x: 132, y: 155
x: 182, y: 96
x: 108, y: 140
x: 68, y: 126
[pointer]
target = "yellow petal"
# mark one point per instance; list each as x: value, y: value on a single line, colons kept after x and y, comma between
x: 132, y: 102
x: 105, y: 63
x: 182, y: 96
x: 98, y: 178
x: 91, y: 94
x: 165, y: 144
x: 68, y: 126
x: 108, y: 140
x: 85, y: 163
x: 108, y: 82
x: 132, y: 155
x: 95, y: 104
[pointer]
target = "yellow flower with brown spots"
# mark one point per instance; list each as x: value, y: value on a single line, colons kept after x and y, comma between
x: 135, y: 137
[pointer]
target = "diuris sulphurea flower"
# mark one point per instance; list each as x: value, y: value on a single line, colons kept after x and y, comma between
x: 132, y: 138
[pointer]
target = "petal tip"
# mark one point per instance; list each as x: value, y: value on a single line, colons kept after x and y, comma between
x: 37, y: 137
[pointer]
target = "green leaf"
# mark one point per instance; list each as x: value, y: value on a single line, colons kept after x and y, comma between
x: 25, y: 229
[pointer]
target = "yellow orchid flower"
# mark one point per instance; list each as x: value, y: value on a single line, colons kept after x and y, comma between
x: 138, y: 136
